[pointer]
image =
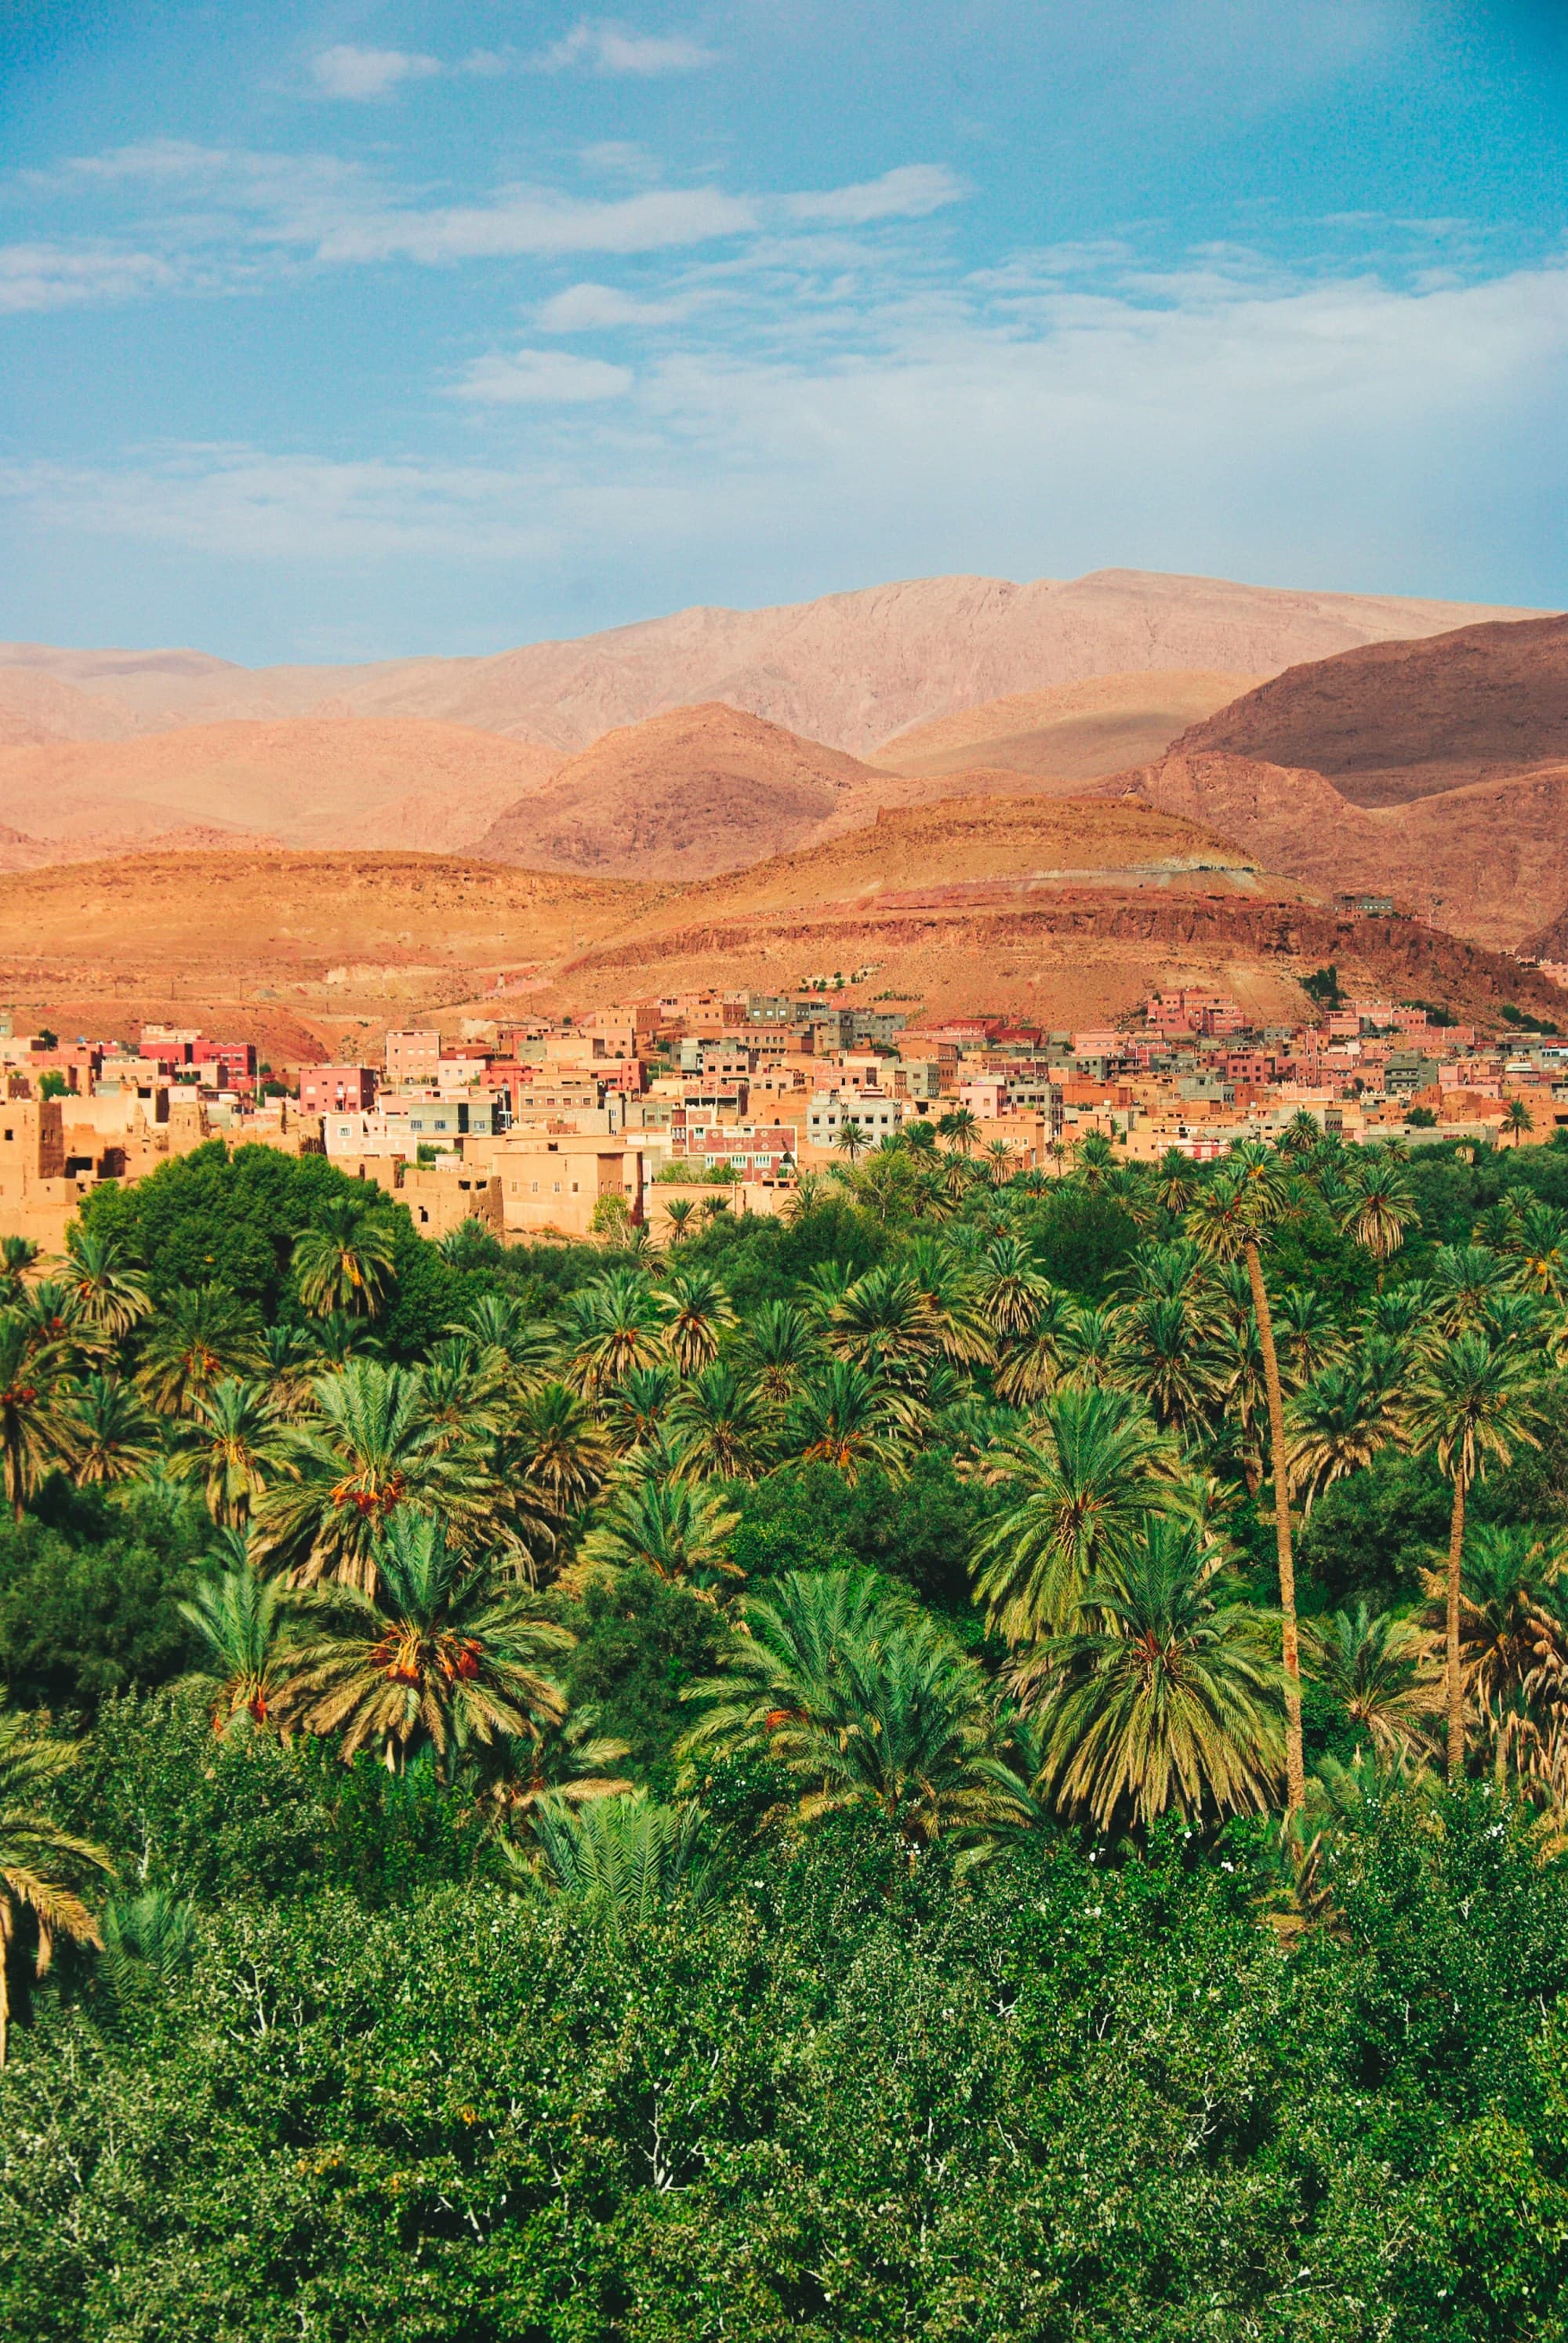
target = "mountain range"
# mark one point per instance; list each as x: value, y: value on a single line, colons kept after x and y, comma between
x: 971, y: 844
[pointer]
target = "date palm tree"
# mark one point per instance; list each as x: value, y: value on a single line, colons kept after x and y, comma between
x: 959, y: 1128
x: 1175, y: 1178
x: 1378, y: 1205
x: 1093, y: 1159
x: 1088, y: 1347
x: 1161, y: 1700
x: 339, y: 1336
x: 626, y: 1857
x: 197, y: 1337
x: 609, y: 1327
x: 560, y: 1446
x: 346, y: 1261
x: 1511, y: 1614
x: 1230, y: 1222
x: 679, y: 1532
x: 1463, y: 1281
x: 678, y: 1214
x: 18, y: 1257
x: 1366, y: 1663
x: 522, y: 1347
x: 848, y: 1418
x: 852, y: 1139
x: 36, y: 1393
x: 465, y: 1391
x: 1538, y: 1247
x: 1400, y: 1312
x: 42, y: 1866
x: 289, y: 1364
x: 951, y: 1291
x: 636, y: 1410
x: 1083, y: 1483
x: 1009, y: 1290
x: 1163, y: 1353
x: 566, y: 1765
x: 369, y: 1451
x: 243, y: 1621
x: 111, y: 1295
x: 106, y: 1435
x: 1035, y: 1362
x: 235, y: 1445
x: 1518, y: 1119
x: 698, y: 1312
x: 865, y: 1703
x: 1341, y: 1420
x: 720, y: 1423
x: 883, y: 1323
x: 778, y: 1349
x: 446, y: 1652
x: 1308, y: 1333
x: 1470, y: 1404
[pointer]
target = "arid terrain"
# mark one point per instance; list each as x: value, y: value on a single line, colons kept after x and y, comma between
x: 1490, y: 862
x: 306, y: 782
x: 1068, y: 733
x: 332, y: 871
x: 1397, y: 720
x: 850, y: 670
x: 1063, y: 909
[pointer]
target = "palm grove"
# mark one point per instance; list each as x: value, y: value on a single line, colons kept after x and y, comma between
x: 991, y: 1753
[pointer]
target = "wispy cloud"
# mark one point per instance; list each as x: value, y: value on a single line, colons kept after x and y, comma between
x: 61, y: 277
x: 236, y: 205
x: 607, y: 48
x: 541, y: 378
x: 1114, y: 427
x: 364, y: 74
x: 541, y: 220
x: 592, y: 308
x: 911, y: 192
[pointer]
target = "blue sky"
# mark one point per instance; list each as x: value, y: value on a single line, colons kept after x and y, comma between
x: 357, y: 330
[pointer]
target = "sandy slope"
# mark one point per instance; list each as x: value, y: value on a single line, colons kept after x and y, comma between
x: 1071, y: 732
x: 850, y: 670
x: 310, y: 781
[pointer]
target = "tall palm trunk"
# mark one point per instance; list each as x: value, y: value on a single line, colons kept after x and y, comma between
x: 6, y: 1931
x: 1290, y: 1651
x: 1452, y: 1686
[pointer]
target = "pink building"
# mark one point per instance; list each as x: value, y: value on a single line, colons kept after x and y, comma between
x: 412, y: 1056
x: 336, y: 1090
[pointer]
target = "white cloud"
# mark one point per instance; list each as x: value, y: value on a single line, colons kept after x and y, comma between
x: 62, y: 277
x: 586, y: 309
x: 542, y: 377
x: 360, y: 74
x: 239, y: 209
x: 1315, y: 432
x: 911, y: 192
x: 606, y: 49
x: 540, y: 219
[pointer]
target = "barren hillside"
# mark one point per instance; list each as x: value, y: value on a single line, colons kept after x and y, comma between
x: 680, y: 796
x: 1486, y: 863
x: 1397, y: 720
x: 1046, y: 909
x: 310, y: 781
x: 1071, y: 732
x: 290, y: 947
x: 848, y: 668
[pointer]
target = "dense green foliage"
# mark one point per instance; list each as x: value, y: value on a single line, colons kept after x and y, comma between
x: 575, y: 1793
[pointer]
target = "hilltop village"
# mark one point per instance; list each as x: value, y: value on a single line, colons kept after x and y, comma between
x: 706, y: 1101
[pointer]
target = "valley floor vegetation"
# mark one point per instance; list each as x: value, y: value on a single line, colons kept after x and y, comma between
x: 987, y: 1758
